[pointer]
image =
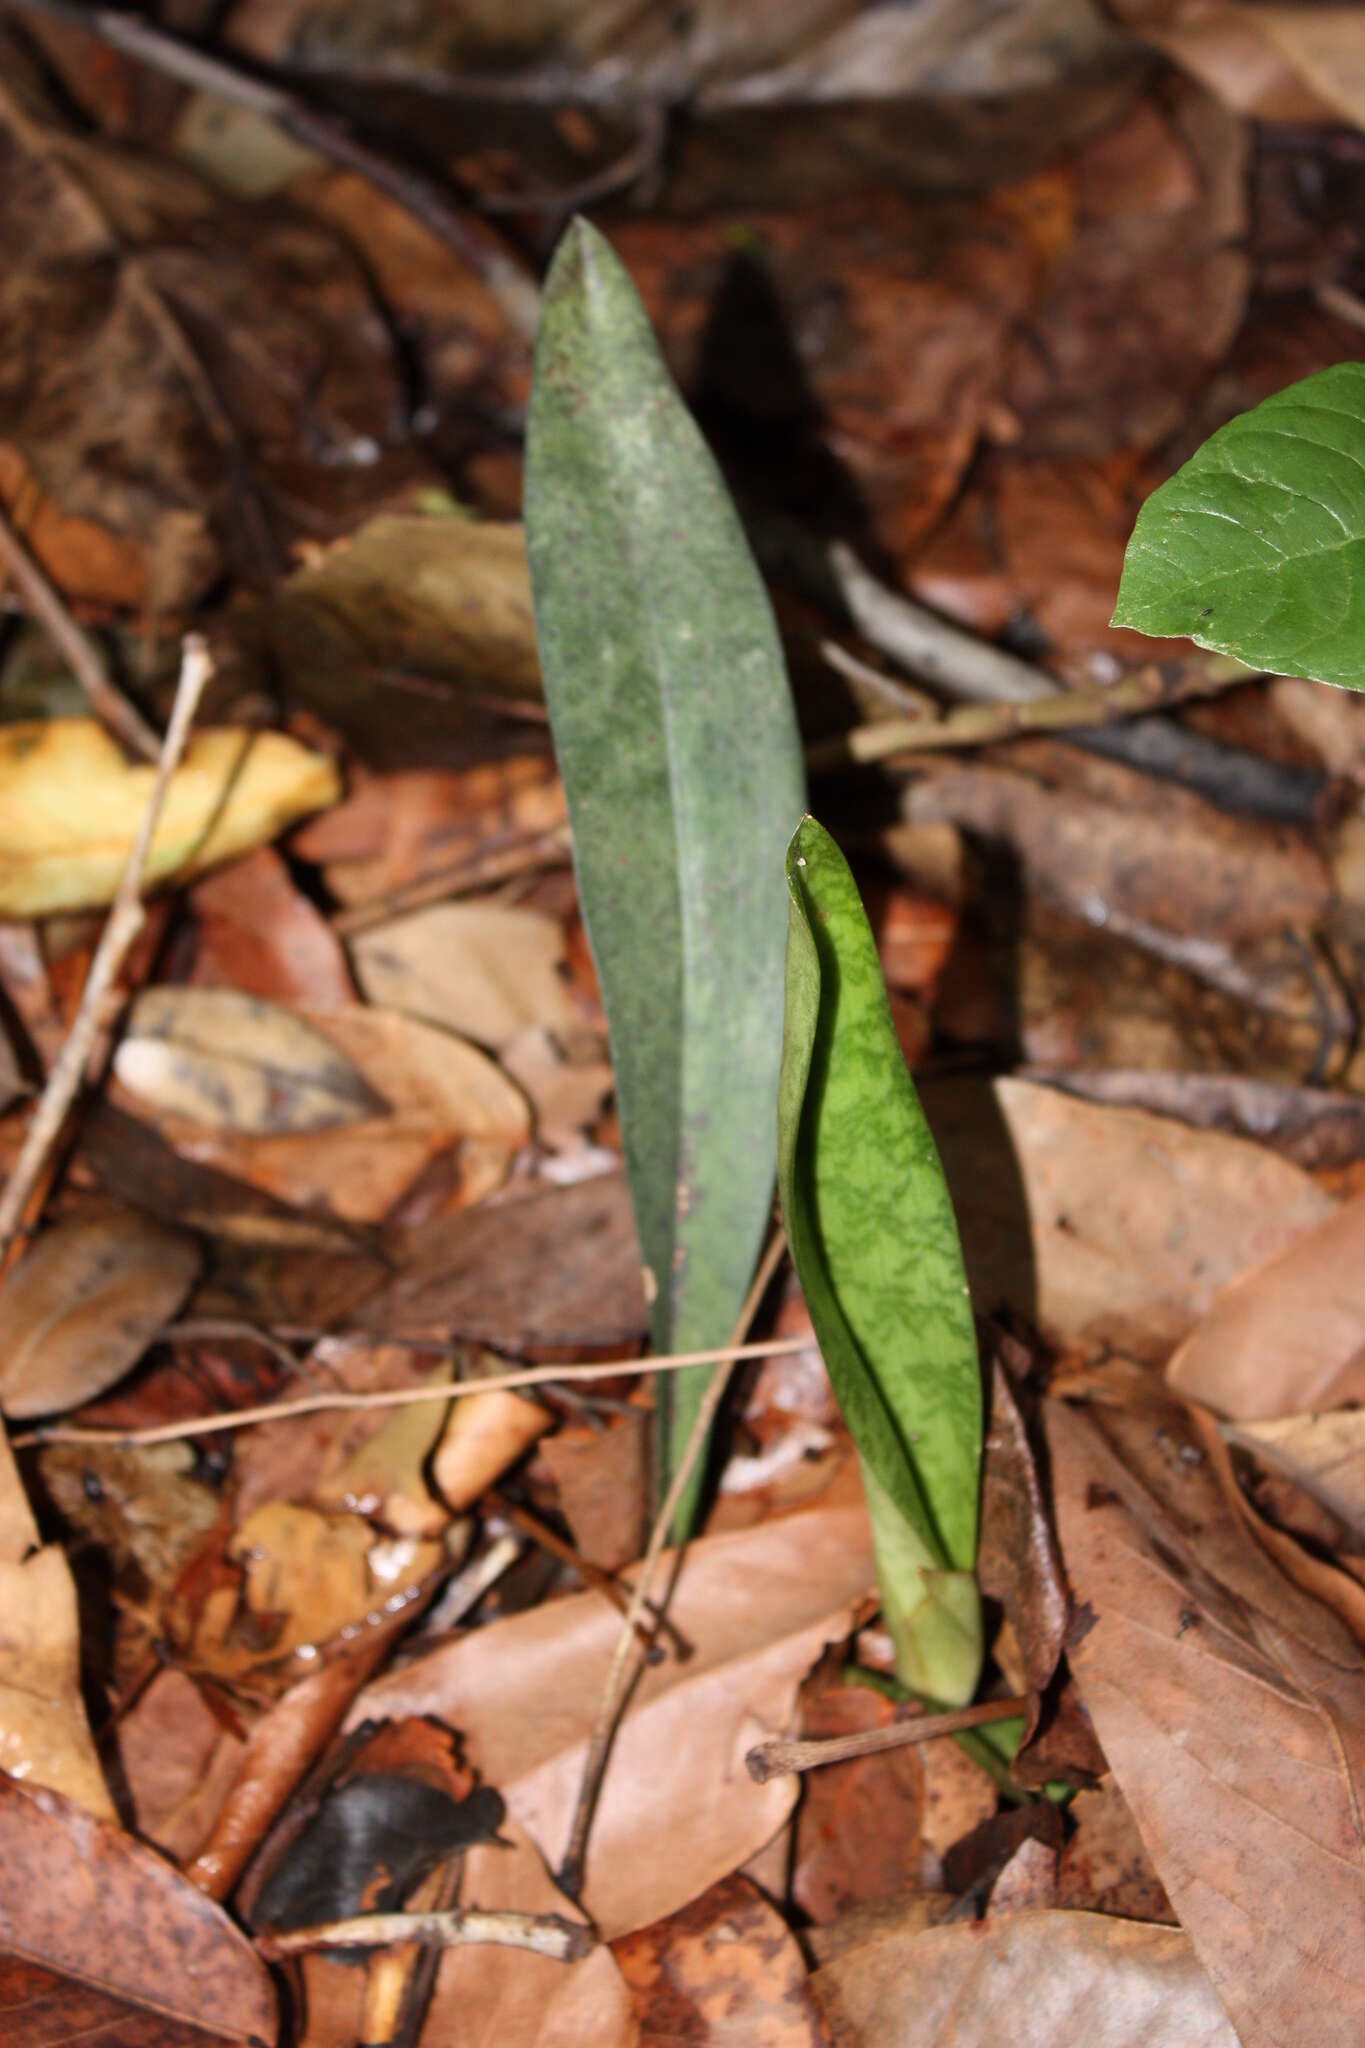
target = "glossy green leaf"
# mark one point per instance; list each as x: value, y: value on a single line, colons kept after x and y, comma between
x: 1256, y: 548
x: 682, y: 766
x: 872, y: 1233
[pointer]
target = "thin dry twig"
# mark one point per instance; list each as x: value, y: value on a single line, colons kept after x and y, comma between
x: 621, y: 1671
x: 544, y: 1934
x: 76, y: 648
x: 592, y: 1575
x: 973, y: 725
x: 402, y: 1397
x: 782, y: 1754
x: 506, y: 279
x: 124, y: 922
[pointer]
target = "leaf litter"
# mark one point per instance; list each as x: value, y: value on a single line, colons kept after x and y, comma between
x: 349, y: 1116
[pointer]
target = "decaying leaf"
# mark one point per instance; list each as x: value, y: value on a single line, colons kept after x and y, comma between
x: 233, y: 1062
x: 1035, y: 1979
x: 427, y: 1091
x: 1231, y: 1708
x: 87, y: 1901
x: 70, y: 807
x: 1323, y: 1453
x: 727, y: 1968
x: 44, y: 1735
x: 758, y: 1608
x: 84, y: 1305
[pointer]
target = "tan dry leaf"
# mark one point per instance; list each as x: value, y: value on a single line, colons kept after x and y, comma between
x: 1233, y: 1716
x: 441, y: 1092
x: 70, y: 806
x: 758, y: 1607
x: 1036, y: 1980
x: 484, y: 1435
x: 1289, y: 1335
x: 1322, y: 1453
x: 44, y: 1735
x: 487, y: 970
x: 83, y: 1306
x: 234, y: 1063
x: 1106, y: 1225
x: 88, y: 1901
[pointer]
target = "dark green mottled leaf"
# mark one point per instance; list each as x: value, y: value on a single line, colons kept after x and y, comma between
x: 682, y: 767
x: 871, y: 1227
x: 1256, y: 548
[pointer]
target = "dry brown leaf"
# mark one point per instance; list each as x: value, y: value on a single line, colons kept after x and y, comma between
x: 234, y: 1063
x: 1034, y: 1979
x: 487, y: 970
x: 725, y: 1971
x: 566, y: 1095
x: 484, y: 1435
x: 1017, y: 1563
x: 1323, y: 1453
x: 144, y: 1505
x: 71, y: 805
x: 307, y: 1577
x: 1232, y: 1716
x: 254, y: 931
x: 44, y: 1735
x: 84, y: 1899
x: 1289, y: 1335
x: 601, y: 1480
x: 1105, y: 1867
x: 1108, y: 844
x: 441, y: 1092
x: 465, y: 1275
x: 393, y: 631
x: 1298, y: 64
x: 758, y: 1606
x: 1106, y: 1225
x: 857, y: 1827
x: 83, y: 1306
x: 178, y: 1763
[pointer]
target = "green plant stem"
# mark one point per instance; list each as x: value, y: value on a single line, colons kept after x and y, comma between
x: 932, y: 1614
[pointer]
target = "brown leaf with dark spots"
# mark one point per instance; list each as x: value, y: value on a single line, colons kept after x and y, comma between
x: 1017, y: 1563
x: 1232, y: 1710
x: 83, y: 1899
x: 83, y: 1306
x: 723, y: 1973
x: 40, y: 2009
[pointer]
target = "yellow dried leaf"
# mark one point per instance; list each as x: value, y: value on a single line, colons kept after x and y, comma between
x: 70, y: 806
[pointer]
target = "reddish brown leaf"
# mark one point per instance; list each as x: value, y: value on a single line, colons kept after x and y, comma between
x: 254, y: 931
x: 83, y: 1899
x: 857, y: 1827
x: 723, y: 1973
x: 601, y: 1478
x: 1017, y: 1563
x: 1105, y: 1866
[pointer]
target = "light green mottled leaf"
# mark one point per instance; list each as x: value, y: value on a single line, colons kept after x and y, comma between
x: 1256, y: 548
x: 681, y: 759
x: 871, y: 1228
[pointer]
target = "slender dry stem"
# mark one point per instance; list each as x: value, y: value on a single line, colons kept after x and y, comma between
x: 76, y: 648
x: 122, y: 926
x: 625, y: 1656
x: 781, y: 1754
x: 402, y: 1397
x: 544, y: 1934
